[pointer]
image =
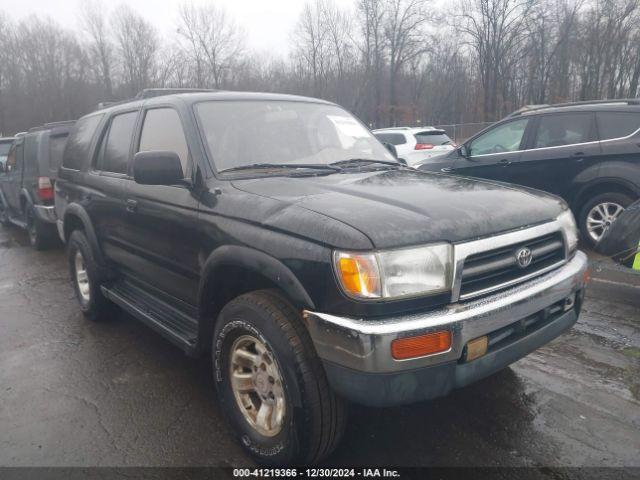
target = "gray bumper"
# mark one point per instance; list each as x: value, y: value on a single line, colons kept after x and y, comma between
x: 46, y: 213
x: 357, y: 352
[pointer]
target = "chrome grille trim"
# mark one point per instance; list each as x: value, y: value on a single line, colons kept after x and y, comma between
x: 463, y: 250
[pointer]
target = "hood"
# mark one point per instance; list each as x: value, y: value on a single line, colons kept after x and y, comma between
x: 396, y: 208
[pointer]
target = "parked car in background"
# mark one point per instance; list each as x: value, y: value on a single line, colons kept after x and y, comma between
x: 27, y: 182
x: 416, y: 146
x: 314, y: 268
x: 588, y: 153
x: 5, y: 145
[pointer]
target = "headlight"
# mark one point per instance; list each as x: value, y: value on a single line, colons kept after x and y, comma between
x: 395, y: 273
x: 568, y: 224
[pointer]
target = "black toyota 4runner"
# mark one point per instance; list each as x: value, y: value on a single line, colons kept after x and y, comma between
x: 278, y: 234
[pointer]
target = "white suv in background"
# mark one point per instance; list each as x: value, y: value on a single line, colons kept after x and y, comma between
x: 416, y: 145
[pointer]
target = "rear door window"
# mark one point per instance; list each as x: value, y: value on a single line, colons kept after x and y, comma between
x: 617, y: 124
x: 162, y: 131
x: 392, y: 138
x: 78, y: 147
x: 565, y: 129
x: 116, y: 145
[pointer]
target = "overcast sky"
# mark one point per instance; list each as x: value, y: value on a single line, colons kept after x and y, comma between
x: 268, y: 23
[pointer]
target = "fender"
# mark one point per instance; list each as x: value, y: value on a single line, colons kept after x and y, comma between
x: 260, y: 262
x: 76, y: 210
x: 621, y: 181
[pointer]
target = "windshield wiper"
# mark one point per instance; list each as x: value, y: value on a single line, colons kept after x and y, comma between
x: 277, y: 166
x: 353, y: 162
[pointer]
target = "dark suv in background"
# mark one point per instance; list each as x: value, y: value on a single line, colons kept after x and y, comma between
x: 310, y: 265
x: 588, y: 153
x: 27, y: 181
x: 5, y: 145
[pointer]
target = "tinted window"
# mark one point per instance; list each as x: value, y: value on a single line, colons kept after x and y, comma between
x: 617, y: 124
x: 31, y: 143
x: 56, y: 148
x: 433, y: 138
x: 11, y: 158
x: 79, y: 144
x: 114, y: 152
x: 162, y: 130
x: 559, y: 130
x: 392, y: 138
x: 504, y: 138
x: 4, y: 149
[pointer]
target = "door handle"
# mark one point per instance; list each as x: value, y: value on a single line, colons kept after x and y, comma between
x: 132, y: 206
x: 504, y: 162
x: 579, y: 156
x: 446, y: 170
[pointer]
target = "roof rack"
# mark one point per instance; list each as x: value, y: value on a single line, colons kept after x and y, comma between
x: 159, y: 92
x: 51, y: 125
x: 535, y: 108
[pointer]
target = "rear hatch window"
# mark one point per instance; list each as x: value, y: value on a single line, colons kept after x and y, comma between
x: 434, y: 137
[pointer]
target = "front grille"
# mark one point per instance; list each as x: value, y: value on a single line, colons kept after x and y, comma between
x: 493, y: 269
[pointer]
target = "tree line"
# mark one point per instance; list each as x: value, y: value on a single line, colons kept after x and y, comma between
x: 391, y: 62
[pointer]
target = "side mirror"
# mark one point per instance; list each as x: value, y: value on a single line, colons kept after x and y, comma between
x: 464, y: 151
x: 392, y: 148
x: 157, y: 168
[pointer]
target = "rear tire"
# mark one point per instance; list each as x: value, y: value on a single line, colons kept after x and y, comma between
x: 41, y: 235
x: 313, y: 418
x: 4, y: 216
x: 590, y: 216
x: 86, y: 278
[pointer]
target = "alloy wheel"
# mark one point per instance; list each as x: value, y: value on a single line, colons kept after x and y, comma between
x: 600, y: 218
x: 257, y: 385
x: 82, y: 277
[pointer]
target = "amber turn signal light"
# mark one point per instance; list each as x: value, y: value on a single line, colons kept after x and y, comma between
x: 412, y: 347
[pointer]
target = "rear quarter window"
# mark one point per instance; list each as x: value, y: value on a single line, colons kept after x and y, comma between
x: 56, y: 150
x: 78, y: 147
x: 617, y: 124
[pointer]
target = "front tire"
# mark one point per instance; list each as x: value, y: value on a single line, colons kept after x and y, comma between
x: 86, y: 278
x: 599, y: 212
x: 263, y: 355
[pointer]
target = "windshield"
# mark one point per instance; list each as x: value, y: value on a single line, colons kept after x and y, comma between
x: 240, y: 133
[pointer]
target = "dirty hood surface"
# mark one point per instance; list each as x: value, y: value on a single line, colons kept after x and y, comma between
x: 396, y: 208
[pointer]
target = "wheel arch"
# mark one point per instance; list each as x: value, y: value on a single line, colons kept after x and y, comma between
x: 604, y: 185
x: 76, y: 218
x: 231, y: 271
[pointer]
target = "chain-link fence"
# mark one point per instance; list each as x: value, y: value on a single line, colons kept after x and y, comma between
x: 460, y: 132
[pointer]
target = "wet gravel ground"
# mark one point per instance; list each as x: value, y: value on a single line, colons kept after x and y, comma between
x: 76, y: 393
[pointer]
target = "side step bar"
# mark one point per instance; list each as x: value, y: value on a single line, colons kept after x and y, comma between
x: 176, y: 326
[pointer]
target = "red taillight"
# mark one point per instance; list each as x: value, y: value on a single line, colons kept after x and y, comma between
x: 424, y: 146
x: 45, y: 188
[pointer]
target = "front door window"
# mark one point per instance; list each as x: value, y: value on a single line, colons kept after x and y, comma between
x: 501, y: 139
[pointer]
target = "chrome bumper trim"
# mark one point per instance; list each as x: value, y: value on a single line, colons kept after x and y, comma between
x: 46, y: 213
x: 365, y: 345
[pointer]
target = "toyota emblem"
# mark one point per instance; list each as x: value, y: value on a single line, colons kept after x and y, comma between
x: 524, y: 257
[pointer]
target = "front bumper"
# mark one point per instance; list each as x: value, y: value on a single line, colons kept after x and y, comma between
x: 357, y: 352
x: 46, y: 213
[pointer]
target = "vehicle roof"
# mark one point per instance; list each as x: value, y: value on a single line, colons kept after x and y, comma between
x: 624, y: 105
x: 191, y: 97
x: 407, y: 129
x: 7, y: 139
x: 64, y: 125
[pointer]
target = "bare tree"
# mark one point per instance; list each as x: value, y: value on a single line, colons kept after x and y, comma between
x: 213, y: 40
x: 137, y: 44
x: 93, y: 17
